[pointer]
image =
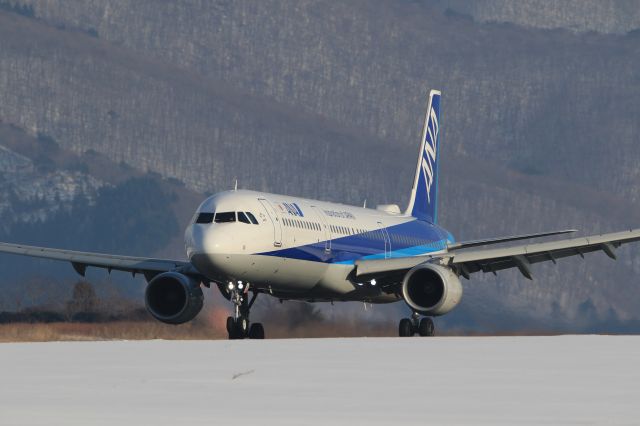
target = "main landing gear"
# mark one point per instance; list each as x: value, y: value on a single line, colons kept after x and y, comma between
x: 414, y: 325
x: 238, y: 326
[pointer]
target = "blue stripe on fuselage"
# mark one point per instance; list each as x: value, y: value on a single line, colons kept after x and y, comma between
x: 407, y: 239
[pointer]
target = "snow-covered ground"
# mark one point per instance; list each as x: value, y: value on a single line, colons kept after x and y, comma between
x: 485, y: 380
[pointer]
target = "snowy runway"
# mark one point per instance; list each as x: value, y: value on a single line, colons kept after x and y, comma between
x: 484, y: 380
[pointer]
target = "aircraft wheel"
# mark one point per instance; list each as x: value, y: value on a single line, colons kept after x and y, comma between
x: 243, y: 326
x: 231, y: 328
x: 256, y: 331
x: 405, y: 329
x: 426, y: 327
x: 237, y: 329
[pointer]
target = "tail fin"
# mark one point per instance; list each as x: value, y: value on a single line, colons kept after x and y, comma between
x: 424, y: 195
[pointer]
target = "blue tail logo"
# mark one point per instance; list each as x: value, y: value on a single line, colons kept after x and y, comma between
x: 430, y: 149
x: 424, y: 195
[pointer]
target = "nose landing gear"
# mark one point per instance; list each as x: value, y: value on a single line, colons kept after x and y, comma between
x: 410, y: 326
x: 238, y: 326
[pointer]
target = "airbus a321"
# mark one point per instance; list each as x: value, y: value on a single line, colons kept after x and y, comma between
x: 250, y: 243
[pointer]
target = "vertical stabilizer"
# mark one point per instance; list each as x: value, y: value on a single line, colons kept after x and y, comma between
x: 424, y: 195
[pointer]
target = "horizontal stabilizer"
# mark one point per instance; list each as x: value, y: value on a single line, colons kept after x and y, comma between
x: 477, y: 243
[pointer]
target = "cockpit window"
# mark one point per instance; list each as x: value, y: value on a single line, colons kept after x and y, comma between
x: 252, y: 218
x: 225, y: 217
x: 204, y: 218
x: 243, y: 218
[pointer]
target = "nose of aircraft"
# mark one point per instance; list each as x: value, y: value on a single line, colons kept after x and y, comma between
x: 208, y: 239
x: 210, y: 249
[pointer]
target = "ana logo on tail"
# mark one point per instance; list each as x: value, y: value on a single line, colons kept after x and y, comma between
x: 423, y: 203
x: 430, y: 151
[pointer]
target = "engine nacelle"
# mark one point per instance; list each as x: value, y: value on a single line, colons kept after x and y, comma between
x: 173, y: 298
x: 431, y: 289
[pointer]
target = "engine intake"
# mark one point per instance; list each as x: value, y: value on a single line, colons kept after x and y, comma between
x: 431, y: 289
x: 173, y: 298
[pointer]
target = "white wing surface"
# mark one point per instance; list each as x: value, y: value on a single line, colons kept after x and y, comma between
x: 81, y: 260
x: 466, y: 262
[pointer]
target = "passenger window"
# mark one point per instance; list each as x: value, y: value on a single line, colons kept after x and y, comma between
x: 252, y: 218
x: 225, y: 217
x: 204, y: 218
x: 243, y: 218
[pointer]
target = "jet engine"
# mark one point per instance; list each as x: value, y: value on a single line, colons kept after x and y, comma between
x: 173, y: 298
x: 431, y: 290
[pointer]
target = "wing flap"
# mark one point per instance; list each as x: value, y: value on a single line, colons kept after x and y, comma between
x: 484, y: 242
x: 522, y: 256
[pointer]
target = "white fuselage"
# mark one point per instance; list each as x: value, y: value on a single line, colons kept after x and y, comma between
x: 299, y: 248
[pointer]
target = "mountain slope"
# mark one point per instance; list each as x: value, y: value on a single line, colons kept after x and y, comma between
x: 325, y: 100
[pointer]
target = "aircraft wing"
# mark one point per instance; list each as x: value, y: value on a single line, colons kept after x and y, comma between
x: 466, y: 262
x: 81, y: 260
x: 490, y: 241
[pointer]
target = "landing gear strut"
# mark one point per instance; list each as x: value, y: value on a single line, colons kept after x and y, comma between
x: 238, y: 326
x: 410, y: 326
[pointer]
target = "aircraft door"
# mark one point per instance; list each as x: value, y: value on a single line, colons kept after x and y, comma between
x: 275, y: 221
x: 387, y: 240
x: 326, y: 230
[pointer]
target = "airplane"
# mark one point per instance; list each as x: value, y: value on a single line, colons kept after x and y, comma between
x: 249, y: 243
